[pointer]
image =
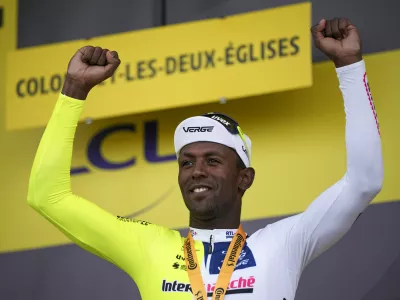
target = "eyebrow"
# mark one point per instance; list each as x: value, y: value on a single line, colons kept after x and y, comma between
x: 207, y: 154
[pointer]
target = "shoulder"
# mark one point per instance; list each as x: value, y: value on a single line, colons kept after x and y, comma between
x: 276, y: 230
x: 152, y: 230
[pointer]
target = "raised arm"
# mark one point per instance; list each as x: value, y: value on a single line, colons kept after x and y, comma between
x: 333, y: 213
x: 49, y: 193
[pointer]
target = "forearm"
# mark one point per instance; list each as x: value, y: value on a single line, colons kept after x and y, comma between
x: 363, y: 143
x: 50, y: 174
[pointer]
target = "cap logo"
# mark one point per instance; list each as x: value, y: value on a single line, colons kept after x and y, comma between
x: 245, y: 151
x: 198, y: 129
x: 219, y: 119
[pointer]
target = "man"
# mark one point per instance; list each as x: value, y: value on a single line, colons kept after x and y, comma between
x: 217, y: 259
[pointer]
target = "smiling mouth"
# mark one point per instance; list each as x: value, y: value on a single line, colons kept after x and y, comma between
x: 201, y: 189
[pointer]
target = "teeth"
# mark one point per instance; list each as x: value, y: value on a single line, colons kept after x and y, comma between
x: 202, y: 189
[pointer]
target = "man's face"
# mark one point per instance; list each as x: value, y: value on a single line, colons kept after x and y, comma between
x: 209, y: 178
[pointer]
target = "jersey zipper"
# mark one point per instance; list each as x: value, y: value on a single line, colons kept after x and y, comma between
x: 210, y: 250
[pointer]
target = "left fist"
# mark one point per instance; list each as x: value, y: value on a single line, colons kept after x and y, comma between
x: 339, y: 40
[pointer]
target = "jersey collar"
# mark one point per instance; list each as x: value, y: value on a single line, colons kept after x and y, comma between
x: 214, y: 235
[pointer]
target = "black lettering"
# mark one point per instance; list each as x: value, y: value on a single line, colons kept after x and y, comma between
x: 168, y: 287
x: 198, y: 129
x: 181, y: 286
x: 272, y: 49
x: 55, y: 83
x: 174, y: 286
x: 235, y: 249
x: 43, y: 91
x: 183, y: 63
x: 241, y: 54
x: 1, y: 17
x: 140, y: 70
x: 190, y: 258
x: 195, y: 64
x: 252, y: 57
x: 229, y: 55
x: 295, y: 46
x: 170, y: 65
x: 128, y: 75
x: 32, y: 86
x: 219, y: 292
x: 283, y: 46
x: 163, y: 285
x: 210, y: 56
x: 199, y: 295
x: 152, y: 68
x: 262, y: 50
x: 19, y: 91
x: 188, y: 288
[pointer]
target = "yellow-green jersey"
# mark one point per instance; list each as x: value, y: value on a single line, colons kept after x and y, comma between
x: 273, y: 258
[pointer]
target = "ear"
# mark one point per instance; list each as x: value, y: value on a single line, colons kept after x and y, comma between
x: 246, y: 178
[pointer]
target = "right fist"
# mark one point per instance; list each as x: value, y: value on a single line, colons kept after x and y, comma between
x: 91, y: 65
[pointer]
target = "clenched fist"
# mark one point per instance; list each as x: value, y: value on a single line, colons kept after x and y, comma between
x: 339, y: 40
x: 87, y: 68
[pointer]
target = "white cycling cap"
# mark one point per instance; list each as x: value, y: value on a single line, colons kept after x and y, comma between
x: 213, y: 127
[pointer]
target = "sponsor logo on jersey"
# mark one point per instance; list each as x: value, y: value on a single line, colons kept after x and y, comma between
x: 198, y: 129
x: 242, y: 285
x: 175, y: 265
x: 230, y: 234
x: 180, y: 257
x: 245, y: 260
x: 124, y: 219
x: 371, y: 101
x: 180, y: 265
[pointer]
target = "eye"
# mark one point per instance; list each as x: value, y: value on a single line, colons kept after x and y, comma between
x: 213, y: 161
x: 186, y: 163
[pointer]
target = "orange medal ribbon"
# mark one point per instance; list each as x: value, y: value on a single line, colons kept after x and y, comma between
x: 227, y: 268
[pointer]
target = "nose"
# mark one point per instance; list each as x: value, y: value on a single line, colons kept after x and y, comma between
x: 199, y: 170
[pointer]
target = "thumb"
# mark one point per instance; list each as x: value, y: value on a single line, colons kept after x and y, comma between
x: 317, y: 31
x: 112, y: 62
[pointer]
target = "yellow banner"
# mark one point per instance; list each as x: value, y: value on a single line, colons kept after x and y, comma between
x: 127, y: 165
x: 180, y: 65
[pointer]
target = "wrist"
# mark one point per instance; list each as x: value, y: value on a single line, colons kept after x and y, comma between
x: 347, y: 60
x: 74, y: 89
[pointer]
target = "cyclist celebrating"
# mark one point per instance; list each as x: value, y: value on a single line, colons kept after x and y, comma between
x: 217, y: 259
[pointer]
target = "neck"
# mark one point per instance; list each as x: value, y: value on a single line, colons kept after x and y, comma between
x: 228, y: 221
x: 213, y: 223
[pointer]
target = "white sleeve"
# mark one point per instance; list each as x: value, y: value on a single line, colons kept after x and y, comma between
x: 332, y: 214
